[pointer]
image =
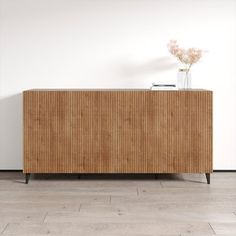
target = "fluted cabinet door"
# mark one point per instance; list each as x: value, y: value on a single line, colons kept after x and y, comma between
x: 117, y: 131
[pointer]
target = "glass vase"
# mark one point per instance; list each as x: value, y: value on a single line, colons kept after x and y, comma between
x: 184, y: 79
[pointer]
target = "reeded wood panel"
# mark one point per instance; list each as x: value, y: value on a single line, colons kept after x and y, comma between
x: 117, y: 131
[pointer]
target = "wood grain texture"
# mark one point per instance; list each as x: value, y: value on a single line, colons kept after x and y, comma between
x: 117, y: 131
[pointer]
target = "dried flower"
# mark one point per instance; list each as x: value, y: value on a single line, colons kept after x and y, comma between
x: 186, y: 56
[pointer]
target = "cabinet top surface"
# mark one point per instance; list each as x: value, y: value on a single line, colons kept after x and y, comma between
x: 117, y: 90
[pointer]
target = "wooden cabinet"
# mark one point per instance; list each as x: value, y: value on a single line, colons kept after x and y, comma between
x: 117, y: 131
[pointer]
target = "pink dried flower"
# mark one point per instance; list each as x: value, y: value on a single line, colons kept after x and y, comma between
x: 186, y: 56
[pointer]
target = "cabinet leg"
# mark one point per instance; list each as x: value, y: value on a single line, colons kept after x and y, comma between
x: 208, y: 177
x: 78, y: 176
x: 27, y: 177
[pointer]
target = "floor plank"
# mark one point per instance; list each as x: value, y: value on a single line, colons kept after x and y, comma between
x: 2, y: 227
x: 227, y: 228
x: 111, y: 229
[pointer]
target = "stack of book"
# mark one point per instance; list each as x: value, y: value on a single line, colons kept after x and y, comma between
x: 156, y: 86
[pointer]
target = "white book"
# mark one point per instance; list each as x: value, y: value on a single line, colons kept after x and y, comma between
x: 156, y: 86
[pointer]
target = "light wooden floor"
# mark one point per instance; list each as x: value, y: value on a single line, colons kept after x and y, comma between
x: 127, y: 206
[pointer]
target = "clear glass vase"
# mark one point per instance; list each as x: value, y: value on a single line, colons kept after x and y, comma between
x: 184, y: 79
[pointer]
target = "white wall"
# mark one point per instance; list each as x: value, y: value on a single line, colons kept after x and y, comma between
x: 114, y: 43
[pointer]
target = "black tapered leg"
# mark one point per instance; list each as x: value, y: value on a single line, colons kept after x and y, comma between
x: 27, y: 177
x: 156, y: 176
x: 208, y: 177
x: 78, y: 176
